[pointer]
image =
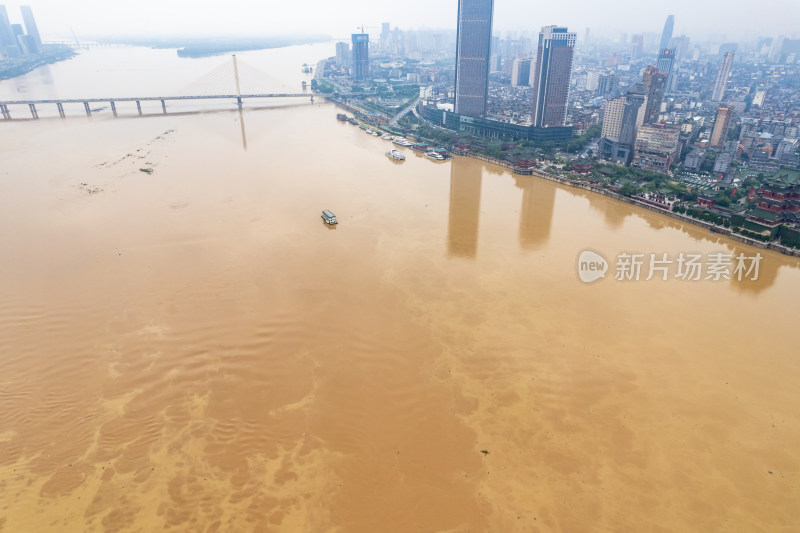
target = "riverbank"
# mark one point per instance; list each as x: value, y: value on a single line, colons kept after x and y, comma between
x: 728, y: 232
x: 607, y: 192
x: 51, y: 53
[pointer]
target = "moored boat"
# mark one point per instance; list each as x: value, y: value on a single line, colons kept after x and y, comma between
x: 401, y: 141
x: 435, y: 156
x: 397, y: 155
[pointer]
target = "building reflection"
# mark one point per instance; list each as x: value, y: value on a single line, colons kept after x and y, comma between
x: 536, y: 214
x: 767, y: 268
x: 465, y: 207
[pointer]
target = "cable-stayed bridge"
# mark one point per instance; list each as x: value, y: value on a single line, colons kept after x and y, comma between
x: 221, y: 84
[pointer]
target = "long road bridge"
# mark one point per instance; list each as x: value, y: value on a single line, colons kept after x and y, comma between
x: 237, y: 98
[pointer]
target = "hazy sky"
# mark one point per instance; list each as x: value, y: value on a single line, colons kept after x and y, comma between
x: 719, y: 19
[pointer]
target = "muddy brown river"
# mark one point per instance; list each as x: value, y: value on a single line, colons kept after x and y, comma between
x: 186, y: 346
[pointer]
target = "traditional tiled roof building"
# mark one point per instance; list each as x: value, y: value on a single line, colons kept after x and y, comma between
x: 778, y: 200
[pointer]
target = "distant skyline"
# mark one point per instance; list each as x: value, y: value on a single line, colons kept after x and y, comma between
x: 733, y: 20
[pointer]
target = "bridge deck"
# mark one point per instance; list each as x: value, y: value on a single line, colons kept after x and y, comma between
x: 156, y: 98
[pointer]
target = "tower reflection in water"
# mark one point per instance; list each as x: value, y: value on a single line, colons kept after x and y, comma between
x: 465, y: 207
x: 536, y: 213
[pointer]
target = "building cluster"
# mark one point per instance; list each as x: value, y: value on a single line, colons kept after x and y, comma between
x: 548, y: 76
x: 706, y: 112
x: 712, y: 116
x: 16, y: 41
x: 496, y: 83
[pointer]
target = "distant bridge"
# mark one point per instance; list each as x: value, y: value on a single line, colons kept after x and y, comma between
x: 74, y: 44
x: 238, y: 99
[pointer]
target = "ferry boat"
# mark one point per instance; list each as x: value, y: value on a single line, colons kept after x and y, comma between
x: 386, y: 137
x: 402, y: 141
x: 396, y: 155
x: 434, y: 155
x: 352, y: 121
x: 329, y: 217
x: 341, y: 117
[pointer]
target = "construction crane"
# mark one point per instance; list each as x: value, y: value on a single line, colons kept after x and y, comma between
x: 362, y: 27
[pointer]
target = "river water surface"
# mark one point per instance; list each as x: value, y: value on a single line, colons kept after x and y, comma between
x: 190, y: 348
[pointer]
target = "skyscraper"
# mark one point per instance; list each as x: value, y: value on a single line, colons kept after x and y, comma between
x: 666, y: 64
x: 342, y: 55
x: 551, y: 76
x: 606, y: 84
x: 720, y: 132
x: 360, y: 56
x: 633, y: 115
x: 637, y: 45
x: 30, y: 26
x: 521, y: 72
x: 473, y: 48
x: 6, y: 35
x: 722, y: 78
x: 666, y: 35
x: 621, y: 121
x: 655, y: 82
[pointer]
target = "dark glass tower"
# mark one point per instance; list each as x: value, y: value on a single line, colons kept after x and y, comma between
x: 655, y: 82
x: 473, y: 48
x: 551, y: 77
x: 666, y: 65
x: 360, y: 56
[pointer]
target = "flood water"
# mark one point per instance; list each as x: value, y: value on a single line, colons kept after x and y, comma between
x: 191, y: 348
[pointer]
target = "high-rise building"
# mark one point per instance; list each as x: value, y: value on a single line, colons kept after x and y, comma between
x: 592, y: 80
x: 655, y: 82
x: 720, y: 132
x: 722, y: 78
x: 622, y: 118
x: 360, y: 56
x: 633, y: 115
x: 342, y: 55
x: 30, y: 26
x: 612, y: 118
x: 666, y: 35
x: 521, y: 72
x: 6, y: 35
x: 606, y: 84
x: 551, y: 76
x: 666, y: 64
x: 473, y: 48
x: 637, y: 46
x: 681, y: 47
x: 787, y: 49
